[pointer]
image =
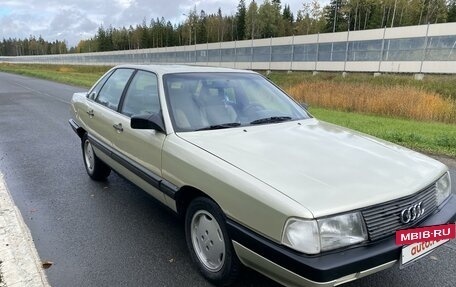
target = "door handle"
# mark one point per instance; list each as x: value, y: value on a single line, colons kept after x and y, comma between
x: 118, y: 127
x: 90, y: 113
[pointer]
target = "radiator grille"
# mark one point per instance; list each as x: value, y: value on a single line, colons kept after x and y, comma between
x: 383, y: 220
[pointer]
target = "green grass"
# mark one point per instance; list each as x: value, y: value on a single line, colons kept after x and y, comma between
x: 84, y: 76
x: 444, y: 85
x: 434, y: 138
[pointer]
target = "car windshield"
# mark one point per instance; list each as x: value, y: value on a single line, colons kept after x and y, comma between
x: 205, y: 101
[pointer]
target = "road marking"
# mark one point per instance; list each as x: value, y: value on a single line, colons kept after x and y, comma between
x: 21, y: 265
x: 41, y: 93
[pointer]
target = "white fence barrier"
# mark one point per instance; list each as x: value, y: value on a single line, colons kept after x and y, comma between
x: 413, y: 49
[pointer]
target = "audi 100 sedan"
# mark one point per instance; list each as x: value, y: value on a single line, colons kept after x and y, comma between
x: 257, y: 180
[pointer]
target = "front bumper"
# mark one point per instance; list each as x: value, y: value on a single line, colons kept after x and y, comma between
x: 327, y: 269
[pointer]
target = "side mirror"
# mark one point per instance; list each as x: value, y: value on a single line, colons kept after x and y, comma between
x: 91, y: 96
x: 148, y: 122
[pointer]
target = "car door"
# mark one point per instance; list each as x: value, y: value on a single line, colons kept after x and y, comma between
x: 140, y: 149
x: 103, y: 108
x: 85, y: 109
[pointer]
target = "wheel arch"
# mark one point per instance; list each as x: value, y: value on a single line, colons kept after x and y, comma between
x: 185, y: 195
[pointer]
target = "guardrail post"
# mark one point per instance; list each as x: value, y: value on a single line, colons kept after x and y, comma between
x: 381, y: 54
x: 316, y: 54
x: 270, y: 55
x: 220, y: 54
x: 420, y: 75
x: 195, y: 52
x: 292, y: 54
x: 188, y: 54
x: 346, y: 53
x: 235, y: 53
x: 251, y: 55
x: 332, y: 51
x: 207, y: 53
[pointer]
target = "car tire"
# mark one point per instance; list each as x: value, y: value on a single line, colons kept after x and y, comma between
x: 96, y: 169
x: 209, y: 243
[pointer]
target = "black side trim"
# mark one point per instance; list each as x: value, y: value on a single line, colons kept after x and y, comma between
x: 168, y: 188
x: 331, y: 266
x: 156, y: 181
x: 74, y: 125
x: 147, y: 176
x: 99, y: 145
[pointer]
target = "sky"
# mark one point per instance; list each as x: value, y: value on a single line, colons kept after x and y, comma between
x: 73, y: 20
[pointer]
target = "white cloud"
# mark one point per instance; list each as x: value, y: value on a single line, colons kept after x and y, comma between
x: 73, y: 20
x: 124, y: 3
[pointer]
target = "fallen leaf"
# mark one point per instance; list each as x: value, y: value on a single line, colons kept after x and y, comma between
x: 434, y: 258
x: 47, y: 264
x: 171, y: 260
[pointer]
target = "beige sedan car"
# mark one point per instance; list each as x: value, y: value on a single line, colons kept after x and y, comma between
x: 257, y: 179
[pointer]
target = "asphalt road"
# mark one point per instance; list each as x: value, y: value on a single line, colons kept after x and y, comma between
x: 112, y: 233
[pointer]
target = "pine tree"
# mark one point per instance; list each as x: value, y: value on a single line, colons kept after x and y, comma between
x: 251, y: 21
x: 334, y: 16
x: 451, y: 11
x: 288, y: 20
x: 240, y: 20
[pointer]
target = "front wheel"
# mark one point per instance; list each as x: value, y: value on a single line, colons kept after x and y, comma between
x: 208, y: 242
x: 96, y: 169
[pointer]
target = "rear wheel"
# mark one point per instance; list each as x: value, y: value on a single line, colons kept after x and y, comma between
x: 95, y: 168
x: 209, y: 244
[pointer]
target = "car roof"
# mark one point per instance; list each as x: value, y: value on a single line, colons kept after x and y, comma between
x: 171, y: 69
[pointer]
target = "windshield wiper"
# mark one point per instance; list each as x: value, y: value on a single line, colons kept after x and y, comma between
x: 270, y: 120
x: 220, y: 126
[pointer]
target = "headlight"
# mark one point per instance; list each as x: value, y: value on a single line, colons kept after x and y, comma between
x: 443, y: 188
x: 302, y: 235
x: 341, y: 230
x: 314, y: 236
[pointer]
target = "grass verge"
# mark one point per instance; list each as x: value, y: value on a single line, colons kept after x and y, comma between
x: 443, y: 85
x: 393, y: 101
x: 84, y: 76
x: 434, y: 138
x: 429, y: 137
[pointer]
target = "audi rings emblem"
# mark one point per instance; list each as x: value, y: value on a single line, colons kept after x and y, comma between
x: 412, y: 213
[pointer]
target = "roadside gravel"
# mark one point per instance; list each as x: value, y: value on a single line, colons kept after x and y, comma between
x: 20, y: 264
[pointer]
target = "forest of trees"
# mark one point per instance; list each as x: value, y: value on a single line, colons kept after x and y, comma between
x: 31, y: 46
x: 252, y: 20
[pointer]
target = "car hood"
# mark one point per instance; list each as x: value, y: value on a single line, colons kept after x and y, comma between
x: 326, y: 168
